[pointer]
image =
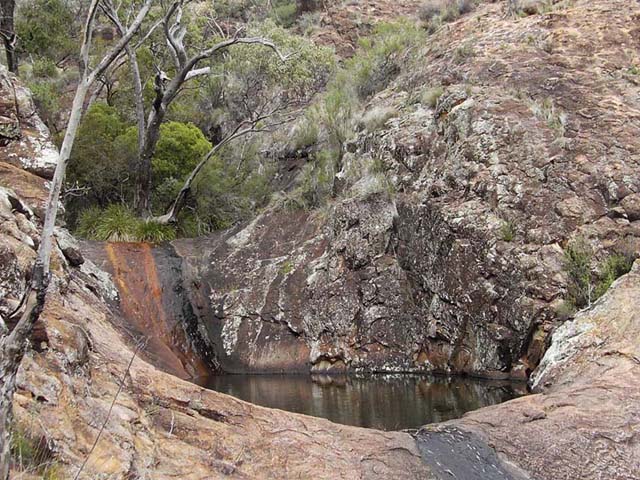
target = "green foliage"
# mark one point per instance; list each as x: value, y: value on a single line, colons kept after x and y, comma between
x: 98, y: 161
x: 508, y: 231
x: 46, y: 97
x: 150, y: 231
x: 46, y: 28
x: 229, y: 189
x: 577, y: 263
x: 307, y: 130
x: 33, y: 455
x: 546, y: 110
x: 255, y: 74
x: 284, y: 12
x: 431, y: 96
x: 88, y: 221
x: 435, y: 13
x: 382, y: 56
x: 375, y: 118
x: 315, y: 182
x: 612, y: 268
x: 180, y: 147
x: 287, y: 267
x: 585, y: 285
x: 117, y: 223
x: 43, y: 67
x: 463, y: 52
x: 339, y: 108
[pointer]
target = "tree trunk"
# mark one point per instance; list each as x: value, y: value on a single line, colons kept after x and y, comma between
x: 142, y: 198
x: 12, y: 346
x: 7, y: 30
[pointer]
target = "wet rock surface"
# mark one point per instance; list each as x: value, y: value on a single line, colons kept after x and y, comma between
x: 584, y: 421
x: 454, y: 453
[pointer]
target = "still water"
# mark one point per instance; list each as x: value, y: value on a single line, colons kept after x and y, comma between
x: 386, y: 402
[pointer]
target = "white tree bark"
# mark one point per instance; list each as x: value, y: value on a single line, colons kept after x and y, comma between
x: 14, y: 343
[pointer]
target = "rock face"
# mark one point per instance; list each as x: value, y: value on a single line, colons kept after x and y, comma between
x: 584, y: 422
x: 24, y: 138
x: 76, y: 379
x: 530, y: 146
x: 153, y: 306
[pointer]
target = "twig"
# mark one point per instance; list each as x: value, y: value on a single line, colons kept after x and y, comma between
x: 104, y: 424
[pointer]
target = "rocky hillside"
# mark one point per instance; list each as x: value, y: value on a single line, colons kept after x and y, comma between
x: 510, y: 139
x: 458, y: 268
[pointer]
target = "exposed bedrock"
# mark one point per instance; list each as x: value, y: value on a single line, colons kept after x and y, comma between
x: 378, y: 286
x: 457, y: 266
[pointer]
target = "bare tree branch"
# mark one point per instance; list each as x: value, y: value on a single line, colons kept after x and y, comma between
x: 13, y: 344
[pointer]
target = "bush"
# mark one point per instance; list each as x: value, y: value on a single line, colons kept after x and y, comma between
x: 315, y: 183
x: 437, y: 12
x: 97, y: 162
x: 44, y: 68
x: 87, y: 223
x: 150, y: 231
x: 116, y: 224
x: 375, y: 118
x: 284, y: 12
x: 613, y: 268
x: 381, y: 56
x: 46, y: 28
x: 431, y: 96
x: 45, y: 95
x: 585, y: 286
x: 577, y: 263
x: 508, y: 231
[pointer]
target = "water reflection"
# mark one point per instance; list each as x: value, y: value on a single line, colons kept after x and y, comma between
x: 387, y: 402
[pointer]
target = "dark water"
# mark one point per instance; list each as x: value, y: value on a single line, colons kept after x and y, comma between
x: 386, y: 402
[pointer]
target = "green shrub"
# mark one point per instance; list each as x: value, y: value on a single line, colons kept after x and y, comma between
x: 437, y: 12
x: 88, y: 221
x: 47, y: 28
x: 44, y: 68
x: 116, y: 224
x: 33, y: 456
x: 376, y: 117
x: 285, y: 12
x: 612, y: 268
x: 307, y: 130
x: 508, y: 231
x: 585, y: 286
x: 431, y: 96
x: 463, y: 52
x: 98, y: 163
x: 45, y: 95
x: 382, y: 56
x: 315, y: 182
x: 577, y: 263
x: 150, y: 231
x: 546, y: 110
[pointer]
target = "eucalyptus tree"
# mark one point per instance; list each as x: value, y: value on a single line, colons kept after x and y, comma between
x: 187, y: 64
x: 13, y: 342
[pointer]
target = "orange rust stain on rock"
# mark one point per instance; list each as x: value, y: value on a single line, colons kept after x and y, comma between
x: 141, y: 302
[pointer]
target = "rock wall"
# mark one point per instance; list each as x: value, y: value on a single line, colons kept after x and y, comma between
x: 584, y: 421
x: 530, y: 136
x: 75, y: 383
